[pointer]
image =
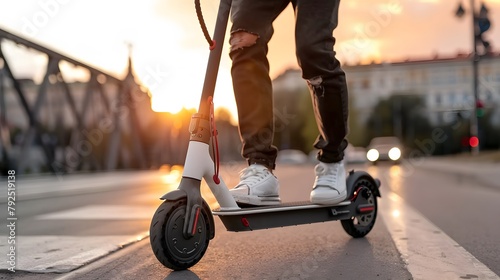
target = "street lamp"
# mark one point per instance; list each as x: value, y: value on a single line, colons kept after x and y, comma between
x: 480, y: 24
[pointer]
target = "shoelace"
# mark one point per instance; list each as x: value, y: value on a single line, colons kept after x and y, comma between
x: 326, y: 176
x: 251, y: 175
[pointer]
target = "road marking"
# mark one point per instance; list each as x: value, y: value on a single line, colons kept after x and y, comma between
x: 50, y: 186
x: 102, y: 212
x: 44, y: 254
x: 428, y: 252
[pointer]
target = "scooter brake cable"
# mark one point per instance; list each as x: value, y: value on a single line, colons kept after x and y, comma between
x: 215, y: 144
x: 211, y: 42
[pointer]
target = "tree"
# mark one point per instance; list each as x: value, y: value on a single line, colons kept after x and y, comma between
x: 291, y: 114
x: 309, y: 131
x: 400, y: 115
x: 357, y: 134
x: 228, y: 136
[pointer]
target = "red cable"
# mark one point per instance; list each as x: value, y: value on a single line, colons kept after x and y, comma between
x: 215, y: 145
x: 195, y: 224
x: 212, y: 46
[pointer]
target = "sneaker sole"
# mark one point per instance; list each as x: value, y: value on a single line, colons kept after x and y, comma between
x: 328, y: 200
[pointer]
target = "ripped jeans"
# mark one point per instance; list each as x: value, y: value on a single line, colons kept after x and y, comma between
x: 250, y: 33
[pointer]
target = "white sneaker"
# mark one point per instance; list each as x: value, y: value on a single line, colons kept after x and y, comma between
x: 258, y: 186
x: 330, y: 184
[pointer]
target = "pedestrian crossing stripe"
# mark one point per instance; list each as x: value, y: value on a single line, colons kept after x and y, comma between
x: 102, y: 212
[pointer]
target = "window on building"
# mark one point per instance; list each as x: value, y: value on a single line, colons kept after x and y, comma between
x: 486, y: 71
x: 438, y: 99
x: 365, y: 84
x: 464, y: 99
x: 414, y: 75
x: 453, y: 99
x: 452, y: 78
x: 397, y: 82
x: 468, y: 99
x: 424, y: 78
x: 382, y: 83
x: 436, y: 78
x: 464, y: 74
x: 489, y: 97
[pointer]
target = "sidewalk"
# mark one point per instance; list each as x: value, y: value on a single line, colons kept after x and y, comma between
x: 483, y: 168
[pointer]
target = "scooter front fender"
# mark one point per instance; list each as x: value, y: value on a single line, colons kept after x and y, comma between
x: 181, y: 193
x: 354, y: 176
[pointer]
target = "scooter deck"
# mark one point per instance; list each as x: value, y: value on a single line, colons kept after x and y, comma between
x: 285, y: 214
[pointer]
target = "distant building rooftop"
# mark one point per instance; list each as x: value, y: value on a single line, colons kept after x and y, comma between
x: 460, y: 56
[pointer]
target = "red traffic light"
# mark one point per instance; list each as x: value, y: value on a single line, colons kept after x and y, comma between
x: 474, y: 141
x: 479, y: 104
x: 479, y: 108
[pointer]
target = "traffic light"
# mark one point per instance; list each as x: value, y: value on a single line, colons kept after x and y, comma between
x: 479, y: 108
x: 474, y: 141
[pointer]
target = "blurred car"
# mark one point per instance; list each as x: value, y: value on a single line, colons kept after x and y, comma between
x: 313, y: 156
x: 387, y: 148
x: 354, y: 154
x: 291, y: 156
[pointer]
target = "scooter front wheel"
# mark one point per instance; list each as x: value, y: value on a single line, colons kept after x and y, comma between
x: 168, y: 242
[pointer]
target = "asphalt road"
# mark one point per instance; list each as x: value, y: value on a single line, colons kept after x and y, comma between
x: 464, y: 208
x: 75, y: 223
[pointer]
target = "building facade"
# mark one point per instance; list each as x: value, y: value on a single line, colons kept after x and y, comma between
x: 446, y: 84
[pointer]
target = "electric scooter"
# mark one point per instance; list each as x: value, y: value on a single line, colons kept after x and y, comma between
x: 183, y: 224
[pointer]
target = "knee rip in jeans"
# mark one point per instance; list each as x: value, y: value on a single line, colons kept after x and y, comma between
x: 241, y: 39
x: 316, y: 84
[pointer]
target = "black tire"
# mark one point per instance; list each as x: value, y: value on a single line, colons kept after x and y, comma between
x: 360, y: 226
x: 169, y: 245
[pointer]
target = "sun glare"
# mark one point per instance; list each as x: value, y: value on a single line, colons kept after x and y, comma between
x: 164, y: 103
x: 182, y: 89
x: 175, y: 93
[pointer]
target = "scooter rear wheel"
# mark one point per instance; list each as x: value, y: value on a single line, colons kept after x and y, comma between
x: 361, y: 225
x: 168, y: 242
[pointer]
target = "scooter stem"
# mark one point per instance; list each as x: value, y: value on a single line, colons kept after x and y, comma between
x: 198, y: 162
x: 215, y: 56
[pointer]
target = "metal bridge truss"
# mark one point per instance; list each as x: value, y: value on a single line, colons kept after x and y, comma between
x: 105, y: 133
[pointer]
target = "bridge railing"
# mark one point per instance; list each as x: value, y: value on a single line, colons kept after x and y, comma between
x: 63, y: 126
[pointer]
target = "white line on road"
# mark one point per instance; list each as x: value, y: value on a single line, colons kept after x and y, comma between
x: 428, y: 252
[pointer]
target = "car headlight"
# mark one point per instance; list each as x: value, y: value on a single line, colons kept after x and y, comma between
x: 372, y: 155
x: 395, y: 153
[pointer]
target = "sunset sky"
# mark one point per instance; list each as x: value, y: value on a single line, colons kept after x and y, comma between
x: 170, y: 54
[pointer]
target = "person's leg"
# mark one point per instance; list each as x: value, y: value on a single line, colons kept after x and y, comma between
x: 316, y: 20
x: 250, y: 34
